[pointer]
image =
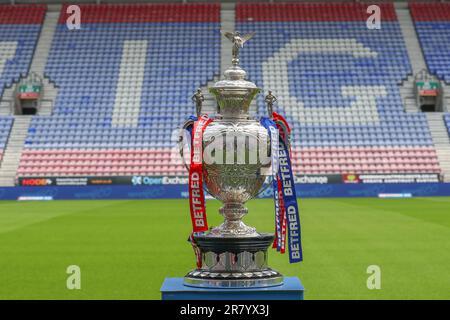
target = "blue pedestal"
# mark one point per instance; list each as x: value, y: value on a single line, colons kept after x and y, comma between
x: 174, y: 289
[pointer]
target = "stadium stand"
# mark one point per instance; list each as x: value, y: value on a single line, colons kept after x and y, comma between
x: 19, y: 30
x: 5, y: 127
x: 338, y: 83
x: 124, y: 84
x: 432, y: 22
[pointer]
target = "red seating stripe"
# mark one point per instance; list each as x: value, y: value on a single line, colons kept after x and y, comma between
x: 115, y: 13
x: 310, y: 12
x: 165, y: 161
x: 22, y: 14
x: 430, y: 11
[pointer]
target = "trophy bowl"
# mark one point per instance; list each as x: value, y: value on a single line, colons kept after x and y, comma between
x: 239, y: 174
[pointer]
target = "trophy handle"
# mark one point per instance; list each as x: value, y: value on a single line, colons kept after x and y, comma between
x: 183, y: 129
x: 265, y: 186
x: 287, y: 134
x: 287, y: 141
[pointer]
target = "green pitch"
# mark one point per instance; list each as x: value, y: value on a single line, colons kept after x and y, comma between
x: 125, y: 249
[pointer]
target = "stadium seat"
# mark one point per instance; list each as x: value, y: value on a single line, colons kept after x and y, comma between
x: 432, y: 22
x: 124, y: 82
x: 20, y: 26
x: 124, y: 85
x: 337, y: 82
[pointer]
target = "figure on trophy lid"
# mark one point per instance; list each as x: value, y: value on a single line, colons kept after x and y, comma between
x: 238, y: 42
x: 270, y: 100
x: 198, y: 99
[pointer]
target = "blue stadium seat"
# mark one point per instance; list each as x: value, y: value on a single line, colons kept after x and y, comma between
x: 124, y: 82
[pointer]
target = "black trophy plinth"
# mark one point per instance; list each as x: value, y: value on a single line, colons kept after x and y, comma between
x: 234, y: 262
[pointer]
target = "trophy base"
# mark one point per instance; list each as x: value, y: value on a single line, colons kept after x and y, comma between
x: 257, y: 279
x: 230, y: 262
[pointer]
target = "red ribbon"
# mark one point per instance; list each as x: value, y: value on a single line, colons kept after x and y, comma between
x: 282, y: 218
x: 196, y: 194
x: 198, y: 254
x: 284, y: 131
x: 278, y: 117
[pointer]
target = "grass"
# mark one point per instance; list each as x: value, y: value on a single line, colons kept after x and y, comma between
x: 125, y: 249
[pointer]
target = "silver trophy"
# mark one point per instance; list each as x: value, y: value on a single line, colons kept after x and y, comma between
x: 233, y: 254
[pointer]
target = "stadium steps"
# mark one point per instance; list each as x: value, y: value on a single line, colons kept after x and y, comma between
x: 441, y: 141
x: 7, y: 101
x: 13, y: 151
x: 227, y: 21
x: 411, y: 41
x: 416, y: 58
x: 408, y: 95
x: 40, y: 60
x: 446, y: 97
x: 44, y: 42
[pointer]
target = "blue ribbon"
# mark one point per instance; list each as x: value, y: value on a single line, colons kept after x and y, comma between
x: 289, y: 197
x: 290, y: 204
x: 189, y: 128
x: 272, y: 127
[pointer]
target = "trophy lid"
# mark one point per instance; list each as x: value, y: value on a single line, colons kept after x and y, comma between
x: 234, y: 93
x: 234, y: 78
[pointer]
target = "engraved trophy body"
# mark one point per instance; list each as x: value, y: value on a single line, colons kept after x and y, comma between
x: 234, y: 254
